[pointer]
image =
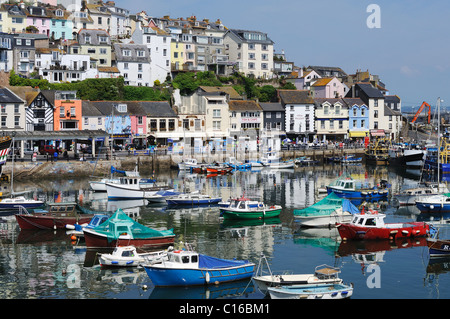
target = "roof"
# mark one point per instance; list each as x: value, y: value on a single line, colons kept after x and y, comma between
x: 95, y: 34
x: 389, y: 111
x: 272, y: 107
x: 244, y: 105
x: 296, y: 97
x: 234, y: 95
x: 158, y: 109
x: 369, y: 90
x: 353, y: 101
x: 7, y: 96
x: 240, y: 34
x: 144, y: 108
x: 108, y: 69
x: 119, y: 47
x: 26, y: 93
x: 322, y: 81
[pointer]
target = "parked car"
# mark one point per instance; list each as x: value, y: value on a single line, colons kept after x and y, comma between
x: 48, y: 149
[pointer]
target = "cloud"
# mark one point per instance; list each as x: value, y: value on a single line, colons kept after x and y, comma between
x: 408, y: 71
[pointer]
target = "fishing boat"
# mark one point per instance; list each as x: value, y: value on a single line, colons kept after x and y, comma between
x: 305, y: 161
x: 189, y: 268
x: 192, y: 199
x: 377, y: 152
x: 371, y: 225
x: 219, y: 169
x: 409, y: 158
x: 56, y: 216
x: 434, y: 204
x: 326, y: 212
x: 346, y: 187
x: 188, y: 163
x: 15, y: 202
x: 235, y: 164
x: 133, y: 188
x: 273, y: 160
x: 319, y: 291
x: 422, y: 191
x: 264, y: 278
x: 350, y: 159
x: 120, y: 229
x: 127, y: 256
x: 100, y: 185
x: 245, y: 208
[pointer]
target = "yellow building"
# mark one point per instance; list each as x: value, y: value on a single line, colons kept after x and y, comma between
x: 177, y: 58
x: 13, y: 18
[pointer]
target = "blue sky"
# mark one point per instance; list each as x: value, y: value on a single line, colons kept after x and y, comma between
x: 410, y: 52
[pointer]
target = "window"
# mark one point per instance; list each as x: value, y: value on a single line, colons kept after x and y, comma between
x: 17, y: 20
x: 99, y: 121
x: 171, y: 125
x: 61, y: 112
x: 103, y: 51
x: 162, y: 125
x: 3, y: 121
x: 87, y: 38
x: 216, y: 113
x: 139, y: 118
x: 140, y: 67
x: 99, y: 20
x: 141, y: 53
x: 251, y: 56
x: 16, y: 108
x: 16, y: 120
x: 125, y: 65
x: 216, y: 125
x: 126, y: 52
x: 72, y: 111
x: 375, y: 114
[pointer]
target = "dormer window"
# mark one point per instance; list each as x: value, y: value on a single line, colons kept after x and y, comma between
x: 121, y: 108
x: 59, y: 13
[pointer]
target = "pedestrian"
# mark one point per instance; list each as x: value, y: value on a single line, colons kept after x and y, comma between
x: 55, y: 155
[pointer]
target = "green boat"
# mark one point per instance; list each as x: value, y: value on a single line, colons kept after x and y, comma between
x: 244, y: 208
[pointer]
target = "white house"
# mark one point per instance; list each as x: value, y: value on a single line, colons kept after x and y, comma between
x: 299, y: 112
x: 133, y: 62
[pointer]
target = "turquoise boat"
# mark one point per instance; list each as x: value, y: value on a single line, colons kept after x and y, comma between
x: 244, y: 208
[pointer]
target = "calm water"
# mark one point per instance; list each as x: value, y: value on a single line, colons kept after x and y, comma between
x: 46, y: 264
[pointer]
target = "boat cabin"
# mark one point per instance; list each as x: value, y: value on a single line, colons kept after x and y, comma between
x: 125, y: 251
x: 58, y: 209
x: 182, y: 258
x: 97, y: 220
x: 246, y: 204
x: 346, y: 184
x: 369, y: 220
x: 324, y: 272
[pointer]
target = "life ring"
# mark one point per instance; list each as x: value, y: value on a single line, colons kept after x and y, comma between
x: 272, y: 206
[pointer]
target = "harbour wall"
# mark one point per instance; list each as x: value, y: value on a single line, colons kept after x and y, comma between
x: 147, y: 164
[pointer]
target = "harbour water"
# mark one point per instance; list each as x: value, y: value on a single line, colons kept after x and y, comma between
x: 48, y: 265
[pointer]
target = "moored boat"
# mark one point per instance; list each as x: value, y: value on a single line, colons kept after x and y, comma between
x: 347, y: 188
x: 56, y: 216
x: 438, y: 247
x: 120, y: 229
x: 128, y: 256
x: 244, y: 208
x: 193, y: 199
x: 319, y: 291
x: 326, y: 212
x: 15, y: 202
x: 423, y: 191
x: 133, y: 188
x: 371, y: 225
x: 434, y: 204
x: 189, y: 268
x: 264, y: 278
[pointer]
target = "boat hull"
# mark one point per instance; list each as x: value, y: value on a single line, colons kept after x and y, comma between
x: 27, y: 221
x: 336, y: 291
x: 194, y: 277
x: 324, y: 221
x: 410, y: 159
x: 426, y: 207
x: 23, y: 204
x: 96, y: 240
x: 193, y: 202
x: 438, y: 248
x: 370, y: 194
x: 228, y: 213
x: 407, y: 230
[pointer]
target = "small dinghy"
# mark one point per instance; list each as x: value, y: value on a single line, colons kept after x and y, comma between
x: 320, y: 291
x: 127, y: 256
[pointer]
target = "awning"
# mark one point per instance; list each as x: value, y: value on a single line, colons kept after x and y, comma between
x: 359, y: 134
x: 377, y: 133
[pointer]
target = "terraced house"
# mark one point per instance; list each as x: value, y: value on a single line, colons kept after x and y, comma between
x: 97, y: 44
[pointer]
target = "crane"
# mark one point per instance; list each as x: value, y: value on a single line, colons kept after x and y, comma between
x: 420, y: 110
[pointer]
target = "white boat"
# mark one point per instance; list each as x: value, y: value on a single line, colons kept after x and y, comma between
x: 411, y: 195
x: 127, y: 256
x: 161, y: 196
x: 319, y: 291
x: 264, y: 278
x: 282, y: 164
x: 187, y: 163
x: 133, y: 188
x: 15, y: 202
x: 272, y: 160
x: 326, y: 212
x: 100, y: 186
x: 193, y: 199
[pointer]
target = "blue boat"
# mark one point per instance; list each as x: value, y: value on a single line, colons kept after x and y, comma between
x: 94, y: 222
x: 434, y: 204
x: 346, y: 188
x: 193, y: 199
x: 189, y: 268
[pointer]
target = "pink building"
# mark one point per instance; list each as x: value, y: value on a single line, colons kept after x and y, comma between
x: 328, y: 88
x: 38, y: 17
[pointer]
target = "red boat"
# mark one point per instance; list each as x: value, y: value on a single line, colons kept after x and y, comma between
x: 372, y: 226
x: 219, y: 169
x: 57, y: 216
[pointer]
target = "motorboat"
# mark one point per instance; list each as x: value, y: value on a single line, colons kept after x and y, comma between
x: 371, y: 225
x: 77, y: 229
x: 319, y: 291
x: 133, y: 188
x: 193, y: 199
x: 347, y: 188
x: 423, y: 191
x: 327, y: 212
x: 264, y: 278
x: 15, y: 202
x: 127, y: 256
x: 188, y: 163
x: 434, y: 204
x: 55, y: 216
x: 245, y: 208
x: 189, y: 268
x: 120, y: 229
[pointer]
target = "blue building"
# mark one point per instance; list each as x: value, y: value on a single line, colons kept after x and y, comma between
x: 358, y: 118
